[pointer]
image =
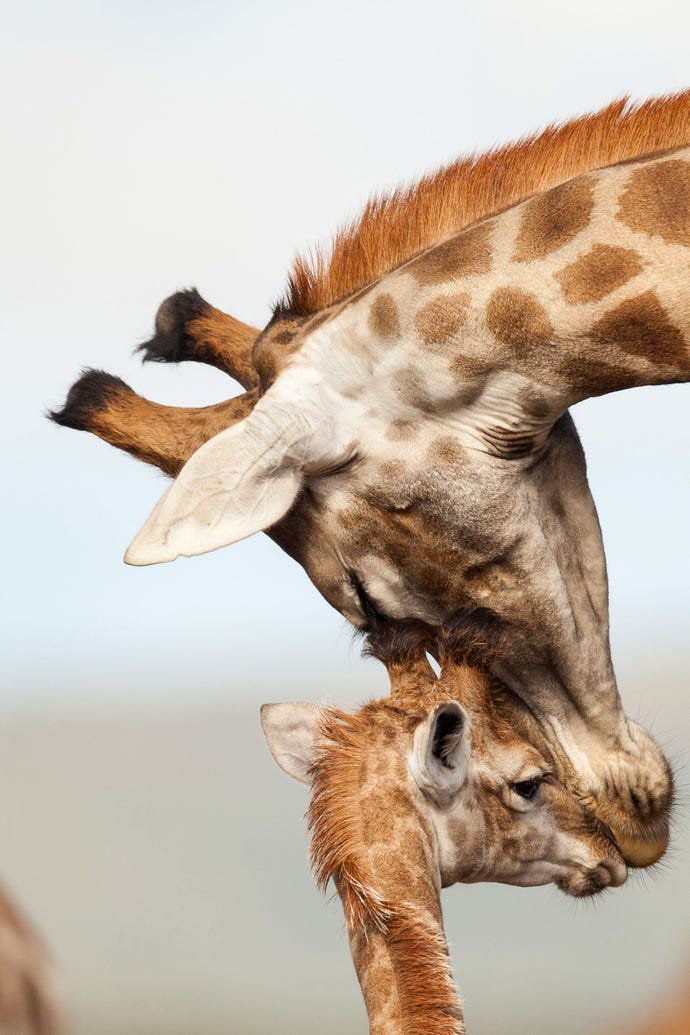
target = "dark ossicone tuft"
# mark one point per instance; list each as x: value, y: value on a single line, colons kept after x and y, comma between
x: 477, y: 638
x: 171, y: 343
x: 92, y: 393
x: 400, y: 642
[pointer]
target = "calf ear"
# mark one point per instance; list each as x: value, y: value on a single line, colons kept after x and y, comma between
x: 441, y: 750
x: 292, y: 732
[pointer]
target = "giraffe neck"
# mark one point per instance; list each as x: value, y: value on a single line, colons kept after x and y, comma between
x: 576, y: 292
x: 373, y: 838
x: 377, y: 979
x: 405, y: 977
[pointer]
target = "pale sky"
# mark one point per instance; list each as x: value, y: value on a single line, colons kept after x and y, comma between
x: 152, y: 146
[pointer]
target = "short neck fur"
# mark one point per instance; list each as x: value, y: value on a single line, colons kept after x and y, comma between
x: 370, y: 837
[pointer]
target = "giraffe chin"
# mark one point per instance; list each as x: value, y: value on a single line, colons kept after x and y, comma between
x: 639, y: 852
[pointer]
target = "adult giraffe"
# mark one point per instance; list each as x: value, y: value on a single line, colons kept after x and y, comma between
x: 405, y: 433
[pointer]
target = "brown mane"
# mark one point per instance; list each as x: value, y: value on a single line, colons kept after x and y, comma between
x: 395, y: 227
x: 334, y: 816
x: 417, y: 950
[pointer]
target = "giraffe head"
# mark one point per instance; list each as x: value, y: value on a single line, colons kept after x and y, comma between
x: 437, y: 772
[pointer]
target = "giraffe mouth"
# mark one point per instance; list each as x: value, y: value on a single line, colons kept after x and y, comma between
x: 584, y: 883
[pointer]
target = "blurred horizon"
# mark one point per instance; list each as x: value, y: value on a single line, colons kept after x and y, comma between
x: 163, y: 855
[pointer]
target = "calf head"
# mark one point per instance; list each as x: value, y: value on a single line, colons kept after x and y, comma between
x: 437, y: 765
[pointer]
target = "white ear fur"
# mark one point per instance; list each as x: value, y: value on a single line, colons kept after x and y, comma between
x: 292, y: 734
x: 440, y: 751
x: 241, y: 481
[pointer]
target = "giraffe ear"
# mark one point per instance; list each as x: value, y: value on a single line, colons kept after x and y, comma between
x: 242, y: 480
x: 292, y: 732
x: 441, y: 750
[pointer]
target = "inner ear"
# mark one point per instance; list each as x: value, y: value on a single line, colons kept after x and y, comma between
x: 446, y: 738
x: 293, y: 734
x: 440, y: 752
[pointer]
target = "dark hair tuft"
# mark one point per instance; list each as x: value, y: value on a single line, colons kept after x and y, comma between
x: 170, y: 343
x: 94, y: 390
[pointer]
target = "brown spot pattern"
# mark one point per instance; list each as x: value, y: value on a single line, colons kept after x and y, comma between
x: 383, y: 317
x: 656, y: 200
x: 641, y: 327
x: 467, y: 367
x: 464, y: 255
x: 391, y: 470
x: 516, y: 318
x: 439, y: 320
x: 445, y: 450
x: 598, y: 273
x: 401, y: 430
x: 283, y: 337
x: 273, y: 349
x: 591, y: 376
x: 411, y: 387
x: 553, y: 218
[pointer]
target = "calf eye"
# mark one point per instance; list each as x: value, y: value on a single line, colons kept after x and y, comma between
x: 528, y: 788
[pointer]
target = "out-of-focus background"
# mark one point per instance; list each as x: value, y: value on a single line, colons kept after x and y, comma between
x: 151, y: 146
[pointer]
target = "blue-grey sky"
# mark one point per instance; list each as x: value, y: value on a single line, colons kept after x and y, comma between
x: 152, y: 146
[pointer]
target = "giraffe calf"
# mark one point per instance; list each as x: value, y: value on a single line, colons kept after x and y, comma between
x: 423, y: 789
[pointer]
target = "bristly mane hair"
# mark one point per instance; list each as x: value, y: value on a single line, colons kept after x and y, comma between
x: 395, y: 227
x: 417, y: 951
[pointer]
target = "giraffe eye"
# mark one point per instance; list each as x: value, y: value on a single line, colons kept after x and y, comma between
x: 528, y: 788
x: 371, y: 612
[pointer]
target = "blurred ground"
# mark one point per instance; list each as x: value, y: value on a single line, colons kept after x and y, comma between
x: 163, y: 854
